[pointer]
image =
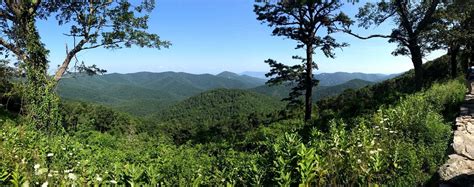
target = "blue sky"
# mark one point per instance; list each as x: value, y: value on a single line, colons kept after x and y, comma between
x: 211, y: 36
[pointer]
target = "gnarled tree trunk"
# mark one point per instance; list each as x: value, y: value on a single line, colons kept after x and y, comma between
x: 417, y: 60
x: 453, y: 52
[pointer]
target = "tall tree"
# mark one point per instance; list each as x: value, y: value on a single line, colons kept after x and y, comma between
x: 302, y: 21
x: 454, y: 30
x: 109, y: 24
x: 413, y: 20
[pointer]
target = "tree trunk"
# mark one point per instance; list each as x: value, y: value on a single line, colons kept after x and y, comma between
x: 417, y: 60
x: 309, y: 83
x: 472, y: 55
x: 453, y: 52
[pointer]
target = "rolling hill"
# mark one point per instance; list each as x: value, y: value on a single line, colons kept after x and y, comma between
x: 332, y: 79
x: 144, y: 92
x: 320, y: 92
x: 215, y: 114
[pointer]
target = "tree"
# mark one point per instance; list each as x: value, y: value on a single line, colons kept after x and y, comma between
x: 414, y: 19
x: 303, y: 21
x: 454, y: 30
x: 94, y: 24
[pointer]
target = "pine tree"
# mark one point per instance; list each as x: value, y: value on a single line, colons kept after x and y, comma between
x: 302, y: 21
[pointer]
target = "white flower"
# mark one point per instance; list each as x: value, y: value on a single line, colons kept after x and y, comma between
x: 373, y: 152
x: 70, y: 154
x: 72, y: 176
x: 50, y: 175
x: 359, y: 161
x: 98, y: 178
x: 37, y: 166
x: 379, y: 149
x: 391, y: 132
x: 68, y: 171
x: 50, y: 155
x: 113, y: 182
x: 45, y: 184
x: 64, y: 148
x: 359, y: 145
x: 41, y: 171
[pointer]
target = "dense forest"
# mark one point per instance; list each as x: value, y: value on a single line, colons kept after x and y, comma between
x: 80, y: 127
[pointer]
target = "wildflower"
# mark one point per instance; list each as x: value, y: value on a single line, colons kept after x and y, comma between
x: 391, y: 132
x: 98, y: 178
x: 113, y: 182
x: 37, y: 166
x: 359, y: 145
x: 359, y: 161
x: 68, y: 171
x: 72, y: 176
x: 45, y: 184
x: 379, y: 149
x: 372, y: 152
x: 70, y: 154
x: 64, y: 148
x: 41, y: 171
x: 50, y: 155
x: 376, y: 126
x: 50, y: 175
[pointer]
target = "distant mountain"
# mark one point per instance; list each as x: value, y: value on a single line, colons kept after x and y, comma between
x: 144, y: 92
x: 319, y: 92
x: 244, y: 78
x: 332, y: 79
x: 256, y: 74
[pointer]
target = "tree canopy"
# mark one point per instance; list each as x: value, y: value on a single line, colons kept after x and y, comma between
x: 413, y: 20
x: 302, y: 21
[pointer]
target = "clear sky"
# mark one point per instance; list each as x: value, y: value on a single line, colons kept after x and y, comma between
x: 211, y: 36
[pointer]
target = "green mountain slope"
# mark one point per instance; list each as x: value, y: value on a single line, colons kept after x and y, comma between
x: 215, y: 114
x: 144, y: 92
x: 332, y: 79
x: 320, y: 92
x: 352, y: 103
x: 219, y: 104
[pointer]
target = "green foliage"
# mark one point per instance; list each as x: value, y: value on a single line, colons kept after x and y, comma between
x: 216, y: 115
x: 353, y: 103
x: 401, y: 144
x: 145, y: 93
x: 320, y: 92
x: 86, y: 117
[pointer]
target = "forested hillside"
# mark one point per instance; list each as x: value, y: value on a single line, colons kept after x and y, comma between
x: 144, y: 93
x: 220, y: 114
x: 282, y: 91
